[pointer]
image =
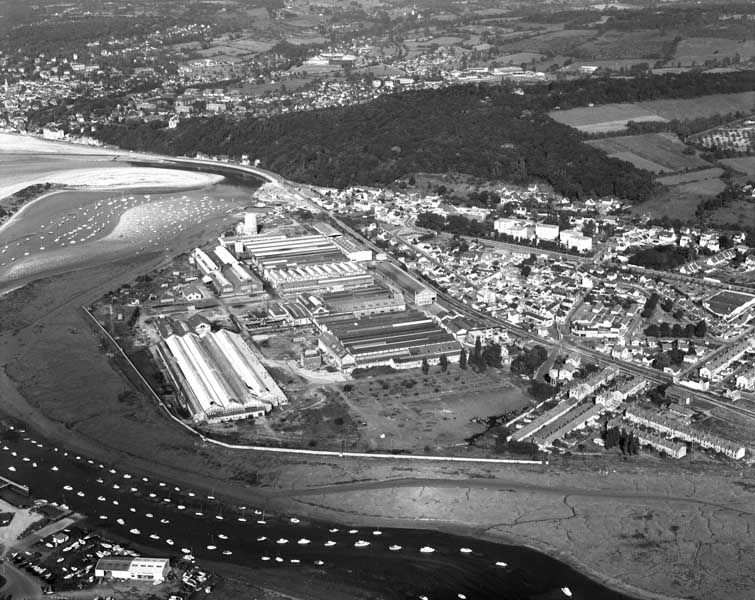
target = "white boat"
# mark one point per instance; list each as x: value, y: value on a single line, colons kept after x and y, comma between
x: 185, y: 550
x: 219, y: 517
x: 101, y: 498
x: 222, y: 536
x: 112, y: 470
x: 394, y: 548
x: 67, y: 488
x: 53, y: 468
x: 26, y: 459
x: 294, y: 520
x: 241, y: 519
x: 500, y: 563
x: 566, y: 591
x: 115, y: 502
x: 333, y: 530
x: 319, y: 563
x: 132, y: 509
x: 465, y: 550
x: 295, y: 561
x: 164, y: 521
x: 265, y: 557
x: 180, y: 507
x: 154, y: 536
x: 98, y: 480
x: 152, y: 495
x: 12, y: 469
x: 227, y: 552
x: 116, y: 486
x: 262, y: 538
x: 103, y: 517
x: 169, y: 541
x: 261, y: 522
x: 330, y: 543
x: 353, y: 531
x: 134, y: 531
x: 461, y: 596
x: 278, y: 559
x: 377, y: 532
x: 361, y: 544
x: 303, y: 542
x: 80, y: 494
x: 281, y: 541
x: 427, y: 550
x: 211, y: 547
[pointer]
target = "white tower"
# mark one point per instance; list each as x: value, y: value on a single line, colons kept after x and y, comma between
x: 250, y: 223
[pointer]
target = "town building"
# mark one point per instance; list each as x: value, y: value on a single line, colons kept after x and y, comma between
x: 573, y: 239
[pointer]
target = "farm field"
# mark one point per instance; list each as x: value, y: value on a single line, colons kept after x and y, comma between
x: 647, y: 45
x: 682, y: 178
x: 696, y: 50
x: 614, y: 117
x: 702, y: 106
x: 601, y: 119
x: 736, y: 212
x: 744, y: 164
x: 656, y: 152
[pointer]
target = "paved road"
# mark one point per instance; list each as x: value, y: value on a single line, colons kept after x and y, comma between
x: 19, y: 584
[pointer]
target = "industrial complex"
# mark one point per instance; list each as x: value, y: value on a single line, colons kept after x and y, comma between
x: 217, y: 373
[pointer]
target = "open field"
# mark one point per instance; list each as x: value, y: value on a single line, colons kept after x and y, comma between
x: 702, y: 106
x: 612, y: 45
x: 735, y: 212
x: 680, y: 201
x: 656, y: 152
x: 608, y: 117
x: 696, y: 50
x: 700, y: 175
x: 743, y: 164
x: 614, y: 117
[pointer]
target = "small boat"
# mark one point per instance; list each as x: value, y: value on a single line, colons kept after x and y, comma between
x: 34, y: 465
x: 219, y: 517
x: 261, y: 522
x: 241, y: 520
x: 394, y: 548
x: 152, y: 495
x: 134, y: 490
x: 265, y: 557
x: 103, y: 517
x: 465, y: 550
x: 294, y: 520
x: 164, y: 521
x: 98, y: 480
x: 154, y: 536
x: 211, y: 547
x: 319, y: 563
x: 427, y: 550
x: 227, y: 552
x: 500, y: 563
x: 126, y: 476
x: 115, y: 502
x: 162, y: 484
x: 566, y: 591
x: 278, y: 559
x: 180, y: 507
x: 67, y: 488
x: 53, y: 468
x: 26, y: 459
x: 377, y: 532
x: 80, y: 494
x: 303, y: 542
x: 353, y: 531
x: 333, y: 530
x: 461, y: 596
x: 222, y: 536
x: 199, y: 513
x: 134, y: 531
x: 132, y: 509
x: 112, y: 471
x: 185, y: 550
x: 262, y: 538
x: 330, y: 543
x: 281, y: 541
x: 12, y: 469
x: 169, y: 541
x: 101, y: 498
x: 116, y: 486
x: 295, y: 561
x: 361, y: 544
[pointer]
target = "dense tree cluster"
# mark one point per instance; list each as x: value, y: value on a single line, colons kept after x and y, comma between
x: 485, y: 131
x: 627, y: 442
x: 650, y: 304
x: 676, y: 330
x: 662, y: 258
x: 528, y: 362
x: 456, y: 224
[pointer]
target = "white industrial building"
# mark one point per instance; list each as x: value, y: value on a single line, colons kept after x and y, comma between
x: 204, y: 263
x: 219, y: 375
x: 546, y: 231
x: 571, y: 238
x: 128, y: 567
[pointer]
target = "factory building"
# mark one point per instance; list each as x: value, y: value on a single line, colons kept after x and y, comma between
x: 402, y: 340
x: 571, y: 238
x: 414, y: 291
x: 220, y: 377
x: 326, y: 229
x: 128, y: 567
x: 203, y: 262
x: 353, y: 250
x: 231, y: 278
x: 371, y: 300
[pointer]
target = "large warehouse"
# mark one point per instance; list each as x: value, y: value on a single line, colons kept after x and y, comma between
x: 414, y: 291
x: 220, y: 377
x: 401, y: 340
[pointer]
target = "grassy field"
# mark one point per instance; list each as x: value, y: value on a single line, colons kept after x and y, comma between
x: 608, y: 117
x: 656, y: 152
x: 622, y: 44
x: 744, y: 164
x: 680, y: 201
x: 696, y: 50
x: 736, y: 212
x: 700, y: 175
x: 703, y: 106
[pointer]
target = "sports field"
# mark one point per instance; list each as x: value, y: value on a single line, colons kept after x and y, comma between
x: 656, y: 152
x: 726, y: 302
